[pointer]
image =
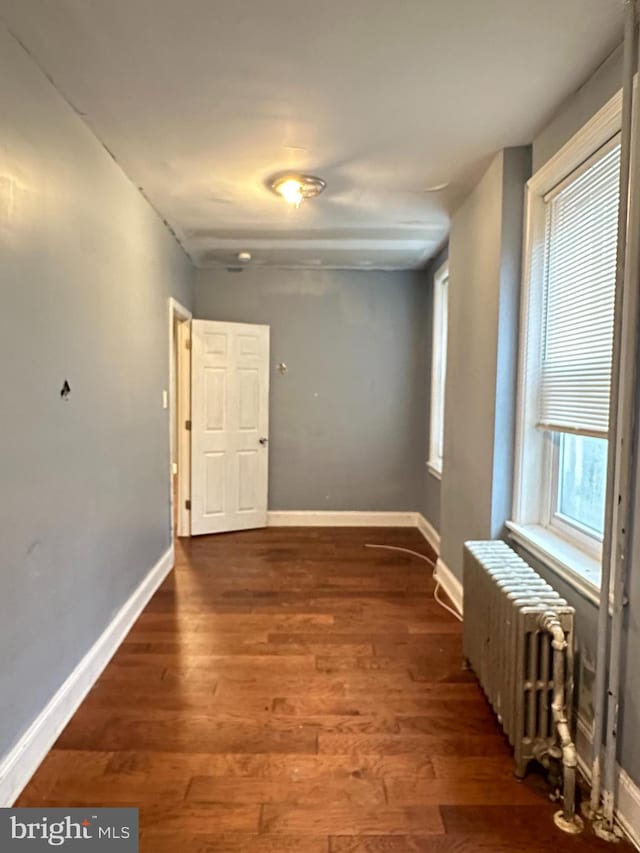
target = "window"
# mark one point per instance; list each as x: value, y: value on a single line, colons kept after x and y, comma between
x: 438, y: 369
x: 566, y: 349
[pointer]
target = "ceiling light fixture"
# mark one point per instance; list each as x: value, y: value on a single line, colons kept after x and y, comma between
x: 294, y: 188
x: 245, y: 257
x: 436, y: 188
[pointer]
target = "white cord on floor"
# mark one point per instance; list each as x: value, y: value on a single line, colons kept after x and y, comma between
x: 432, y: 564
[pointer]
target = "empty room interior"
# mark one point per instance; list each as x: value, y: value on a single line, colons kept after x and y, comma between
x: 319, y: 496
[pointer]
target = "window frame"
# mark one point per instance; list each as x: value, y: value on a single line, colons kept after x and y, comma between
x: 435, y: 461
x: 561, y: 545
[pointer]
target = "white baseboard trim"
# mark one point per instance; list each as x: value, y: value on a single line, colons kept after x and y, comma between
x: 18, y: 766
x: 629, y: 807
x: 320, y: 518
x: 450, y: 584
x: 627, y: 794
x: 428, y: 531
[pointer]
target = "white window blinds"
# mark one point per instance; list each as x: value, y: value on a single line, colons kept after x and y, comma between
x: 577, y: 327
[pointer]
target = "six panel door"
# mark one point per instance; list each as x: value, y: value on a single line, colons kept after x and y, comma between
x: 229, y: 426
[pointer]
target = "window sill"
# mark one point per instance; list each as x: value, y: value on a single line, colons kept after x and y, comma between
x: 572, y: 565
x: 434, y: 470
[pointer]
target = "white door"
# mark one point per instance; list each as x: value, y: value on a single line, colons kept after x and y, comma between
x: 229, y: 426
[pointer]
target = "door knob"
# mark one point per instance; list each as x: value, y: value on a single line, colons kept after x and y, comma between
x: 264, y: 441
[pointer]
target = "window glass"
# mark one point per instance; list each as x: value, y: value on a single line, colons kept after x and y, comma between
x: 582, y: 476
x: 438, y: 369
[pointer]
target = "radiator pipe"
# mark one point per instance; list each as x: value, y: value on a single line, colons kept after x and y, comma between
x: 567, y: 819
x: 627, y: 430
x: 613, y: 502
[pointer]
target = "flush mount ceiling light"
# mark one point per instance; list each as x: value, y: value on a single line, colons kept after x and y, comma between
x: 294, y: 188
x: 436, y: 188
x: 245, y: 257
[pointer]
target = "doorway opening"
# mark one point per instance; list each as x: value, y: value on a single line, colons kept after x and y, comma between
x: 180, y: 414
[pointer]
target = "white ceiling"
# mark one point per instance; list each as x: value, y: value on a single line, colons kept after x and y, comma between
x: 200, y: 101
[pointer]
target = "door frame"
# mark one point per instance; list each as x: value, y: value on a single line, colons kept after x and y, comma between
x: 180, y: 412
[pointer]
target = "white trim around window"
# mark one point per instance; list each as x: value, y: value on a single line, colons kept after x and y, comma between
x: 438, y: 369
x: 535, y: 524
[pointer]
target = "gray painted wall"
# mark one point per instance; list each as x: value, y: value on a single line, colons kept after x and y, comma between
x: 516, y: 166
x: 349, y: 418
x: 578, y: 109
x: 474, y: 272
x: 484, y: 280
x: 575, y: 112
x: 429, y: 505
x: 86, y: 269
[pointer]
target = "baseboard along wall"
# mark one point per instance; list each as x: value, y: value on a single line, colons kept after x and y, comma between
x: 321, y: 518
x: 627, y: 793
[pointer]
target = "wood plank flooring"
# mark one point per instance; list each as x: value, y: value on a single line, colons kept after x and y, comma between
x: 290, y: 691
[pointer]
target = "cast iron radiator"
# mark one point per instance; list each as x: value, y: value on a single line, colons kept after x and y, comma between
x: 518, y: 639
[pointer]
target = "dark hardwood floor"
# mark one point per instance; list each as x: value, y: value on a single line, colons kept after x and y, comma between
x: 289, y: 691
